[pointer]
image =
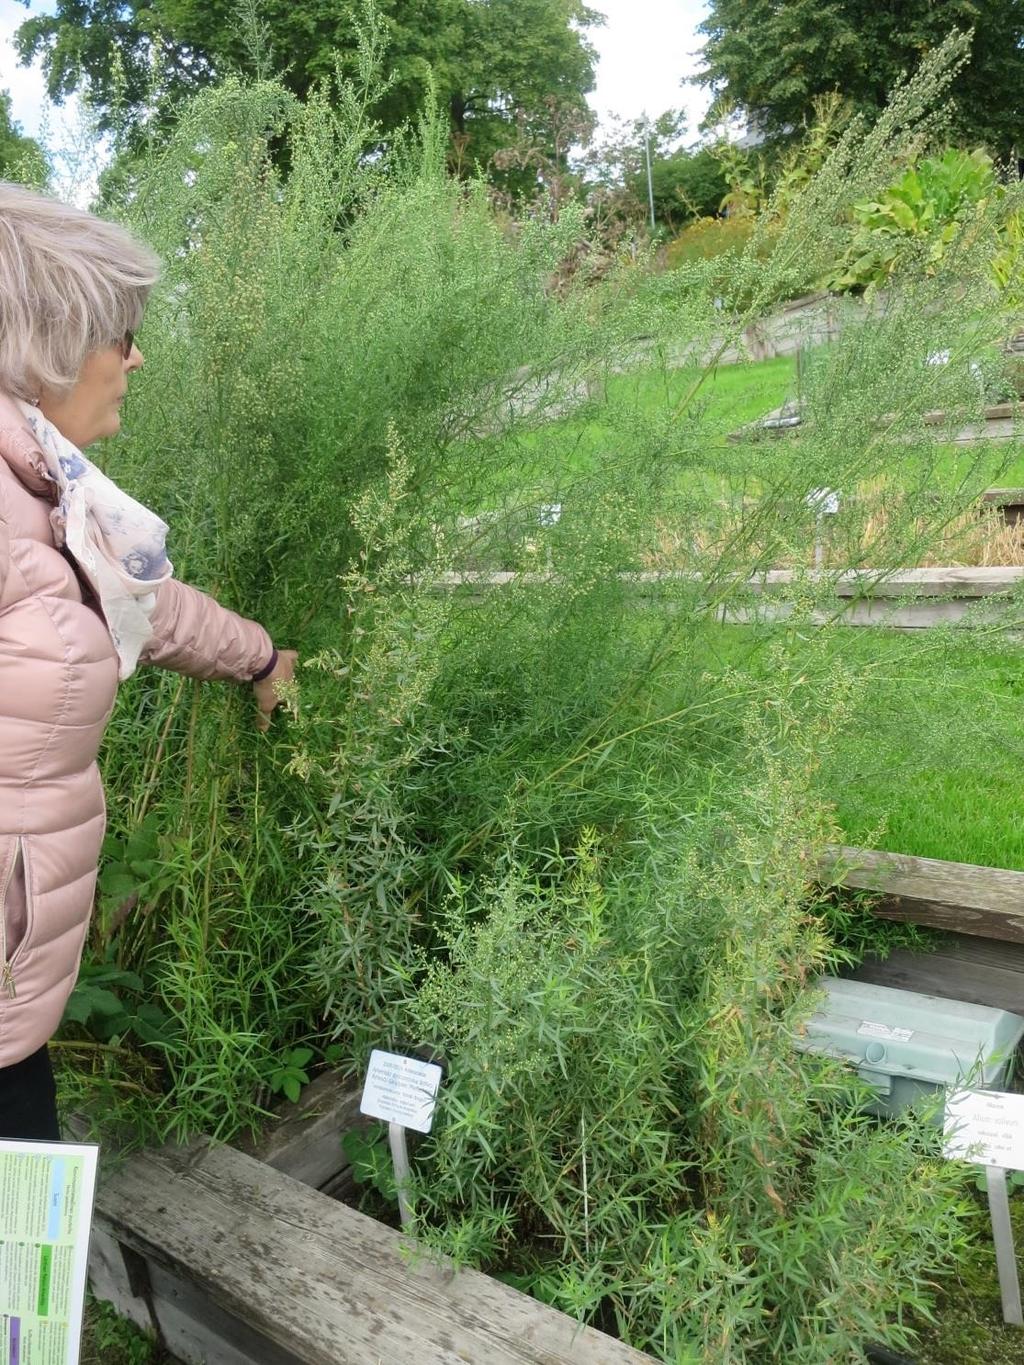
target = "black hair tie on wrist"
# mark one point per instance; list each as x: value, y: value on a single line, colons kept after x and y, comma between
x: 266, y: 672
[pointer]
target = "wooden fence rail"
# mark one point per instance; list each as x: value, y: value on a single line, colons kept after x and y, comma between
x: 909, y: 599
x: 987, y: 902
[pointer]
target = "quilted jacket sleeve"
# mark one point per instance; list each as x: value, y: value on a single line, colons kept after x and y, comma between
x: 194, y: 635
x: 5, y: 550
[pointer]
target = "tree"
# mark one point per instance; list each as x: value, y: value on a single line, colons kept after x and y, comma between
x: 686, y: 182
x: 21, y: 157
x: 771, y: 60
x: 489, y: 60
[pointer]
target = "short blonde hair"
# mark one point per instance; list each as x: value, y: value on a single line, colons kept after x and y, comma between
x: 70, y: 283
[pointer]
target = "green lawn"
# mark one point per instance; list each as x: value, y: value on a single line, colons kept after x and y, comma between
x: 1006, y: 463
x: 931, y: 761
x: 730, y: 397
x: 645, y: 405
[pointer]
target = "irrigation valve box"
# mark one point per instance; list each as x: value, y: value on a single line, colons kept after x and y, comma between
x: 906, y: 1045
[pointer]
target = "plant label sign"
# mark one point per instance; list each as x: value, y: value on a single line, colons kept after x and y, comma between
x: 986, y: 1127
x: 400, y: 1090
x: 46, y: 1203
x: 824, y: 502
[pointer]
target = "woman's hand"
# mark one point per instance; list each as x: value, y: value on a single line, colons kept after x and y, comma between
x: 267, y: 695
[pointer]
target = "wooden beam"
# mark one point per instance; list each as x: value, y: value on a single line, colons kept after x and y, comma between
x: 943, y: 581
x: 953, y: 973
x: 325, y: 1284
x: 960, y: 897
x: 305, y: 1141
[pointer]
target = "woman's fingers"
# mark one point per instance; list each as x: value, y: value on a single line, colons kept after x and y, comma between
x: 267, y: 691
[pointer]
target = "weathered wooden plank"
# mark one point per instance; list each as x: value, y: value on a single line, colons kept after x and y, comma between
x: 322, y: 1281
x: 196, y: 1330
x: 110, y: 1280
x: 947, y: 976
x: 986, y: 901
x: 939, y: 581
x: 305, y: 1142
x: 1002, y: 497
x: 919, y: 615
x: 986, y: 951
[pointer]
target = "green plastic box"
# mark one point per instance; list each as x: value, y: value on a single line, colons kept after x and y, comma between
x: 907, y: 1045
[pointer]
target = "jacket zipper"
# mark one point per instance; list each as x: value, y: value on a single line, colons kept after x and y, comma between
x: 6, y: 967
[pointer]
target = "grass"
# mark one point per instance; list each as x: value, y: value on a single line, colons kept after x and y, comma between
x: 930, y: 761
x: 969, y: 1328
x: 732, y: 397
x: 931, y: 765
x: 1008, y: 462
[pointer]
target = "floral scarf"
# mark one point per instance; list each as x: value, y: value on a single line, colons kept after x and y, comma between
x: 119, y: 545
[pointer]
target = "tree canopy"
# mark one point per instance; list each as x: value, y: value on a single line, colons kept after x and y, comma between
x: 491, y: 61
x: 21, y: 157
x: 771, y: 60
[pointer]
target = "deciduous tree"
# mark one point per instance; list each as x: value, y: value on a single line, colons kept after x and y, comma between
x: 21, y: 157
x: 771, y: 60
x: 489, y: 60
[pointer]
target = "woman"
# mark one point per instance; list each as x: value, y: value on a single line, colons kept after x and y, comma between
x: 86, y: 594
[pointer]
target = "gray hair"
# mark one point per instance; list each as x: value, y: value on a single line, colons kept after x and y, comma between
x: 70, y: 283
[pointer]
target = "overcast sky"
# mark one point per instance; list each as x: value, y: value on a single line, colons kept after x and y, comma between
x: 645, y: 49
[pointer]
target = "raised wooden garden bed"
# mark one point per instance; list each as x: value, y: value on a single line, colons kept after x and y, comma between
x: 1009, y: 502
x: 981, y: 910
x: 910, y: 599
x: 243, y: 1258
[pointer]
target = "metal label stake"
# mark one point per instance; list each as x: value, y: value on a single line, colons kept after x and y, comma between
x: 1002, y: 1235
x: 400, y: 1161
x: 987, y: 1127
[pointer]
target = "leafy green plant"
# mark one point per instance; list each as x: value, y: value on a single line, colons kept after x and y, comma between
x: 109, y: 1339
x: 546, y: 826
x: 291, y: 1074
x: 106, y: 1004
x: 1014, y: 1180
x: 136, y: 872
x: 369, y: 1156
x: 921, y: 215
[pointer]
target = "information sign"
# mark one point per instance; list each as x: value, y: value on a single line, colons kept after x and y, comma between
x: 986, y: 1127
x: 46, y: 1201
x: 401, y: 1090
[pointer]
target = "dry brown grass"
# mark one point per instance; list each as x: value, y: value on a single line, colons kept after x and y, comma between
x: 980, y: 537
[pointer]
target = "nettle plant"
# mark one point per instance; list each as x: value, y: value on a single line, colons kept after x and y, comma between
x: 543, y: 827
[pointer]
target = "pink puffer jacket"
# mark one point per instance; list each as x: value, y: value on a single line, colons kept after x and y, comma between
x: 58, y: 678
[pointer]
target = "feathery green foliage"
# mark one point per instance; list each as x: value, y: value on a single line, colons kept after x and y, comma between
x: 529, y: 826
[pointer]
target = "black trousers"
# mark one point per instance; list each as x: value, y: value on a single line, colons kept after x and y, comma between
x: 28, y: 1099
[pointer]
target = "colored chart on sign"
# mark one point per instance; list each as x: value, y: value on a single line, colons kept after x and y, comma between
x: 46, y: 1200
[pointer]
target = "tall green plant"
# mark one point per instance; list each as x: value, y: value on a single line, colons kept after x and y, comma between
x: 533, y: 822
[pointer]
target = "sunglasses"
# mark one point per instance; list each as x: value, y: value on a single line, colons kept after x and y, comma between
x: 127, y: 342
